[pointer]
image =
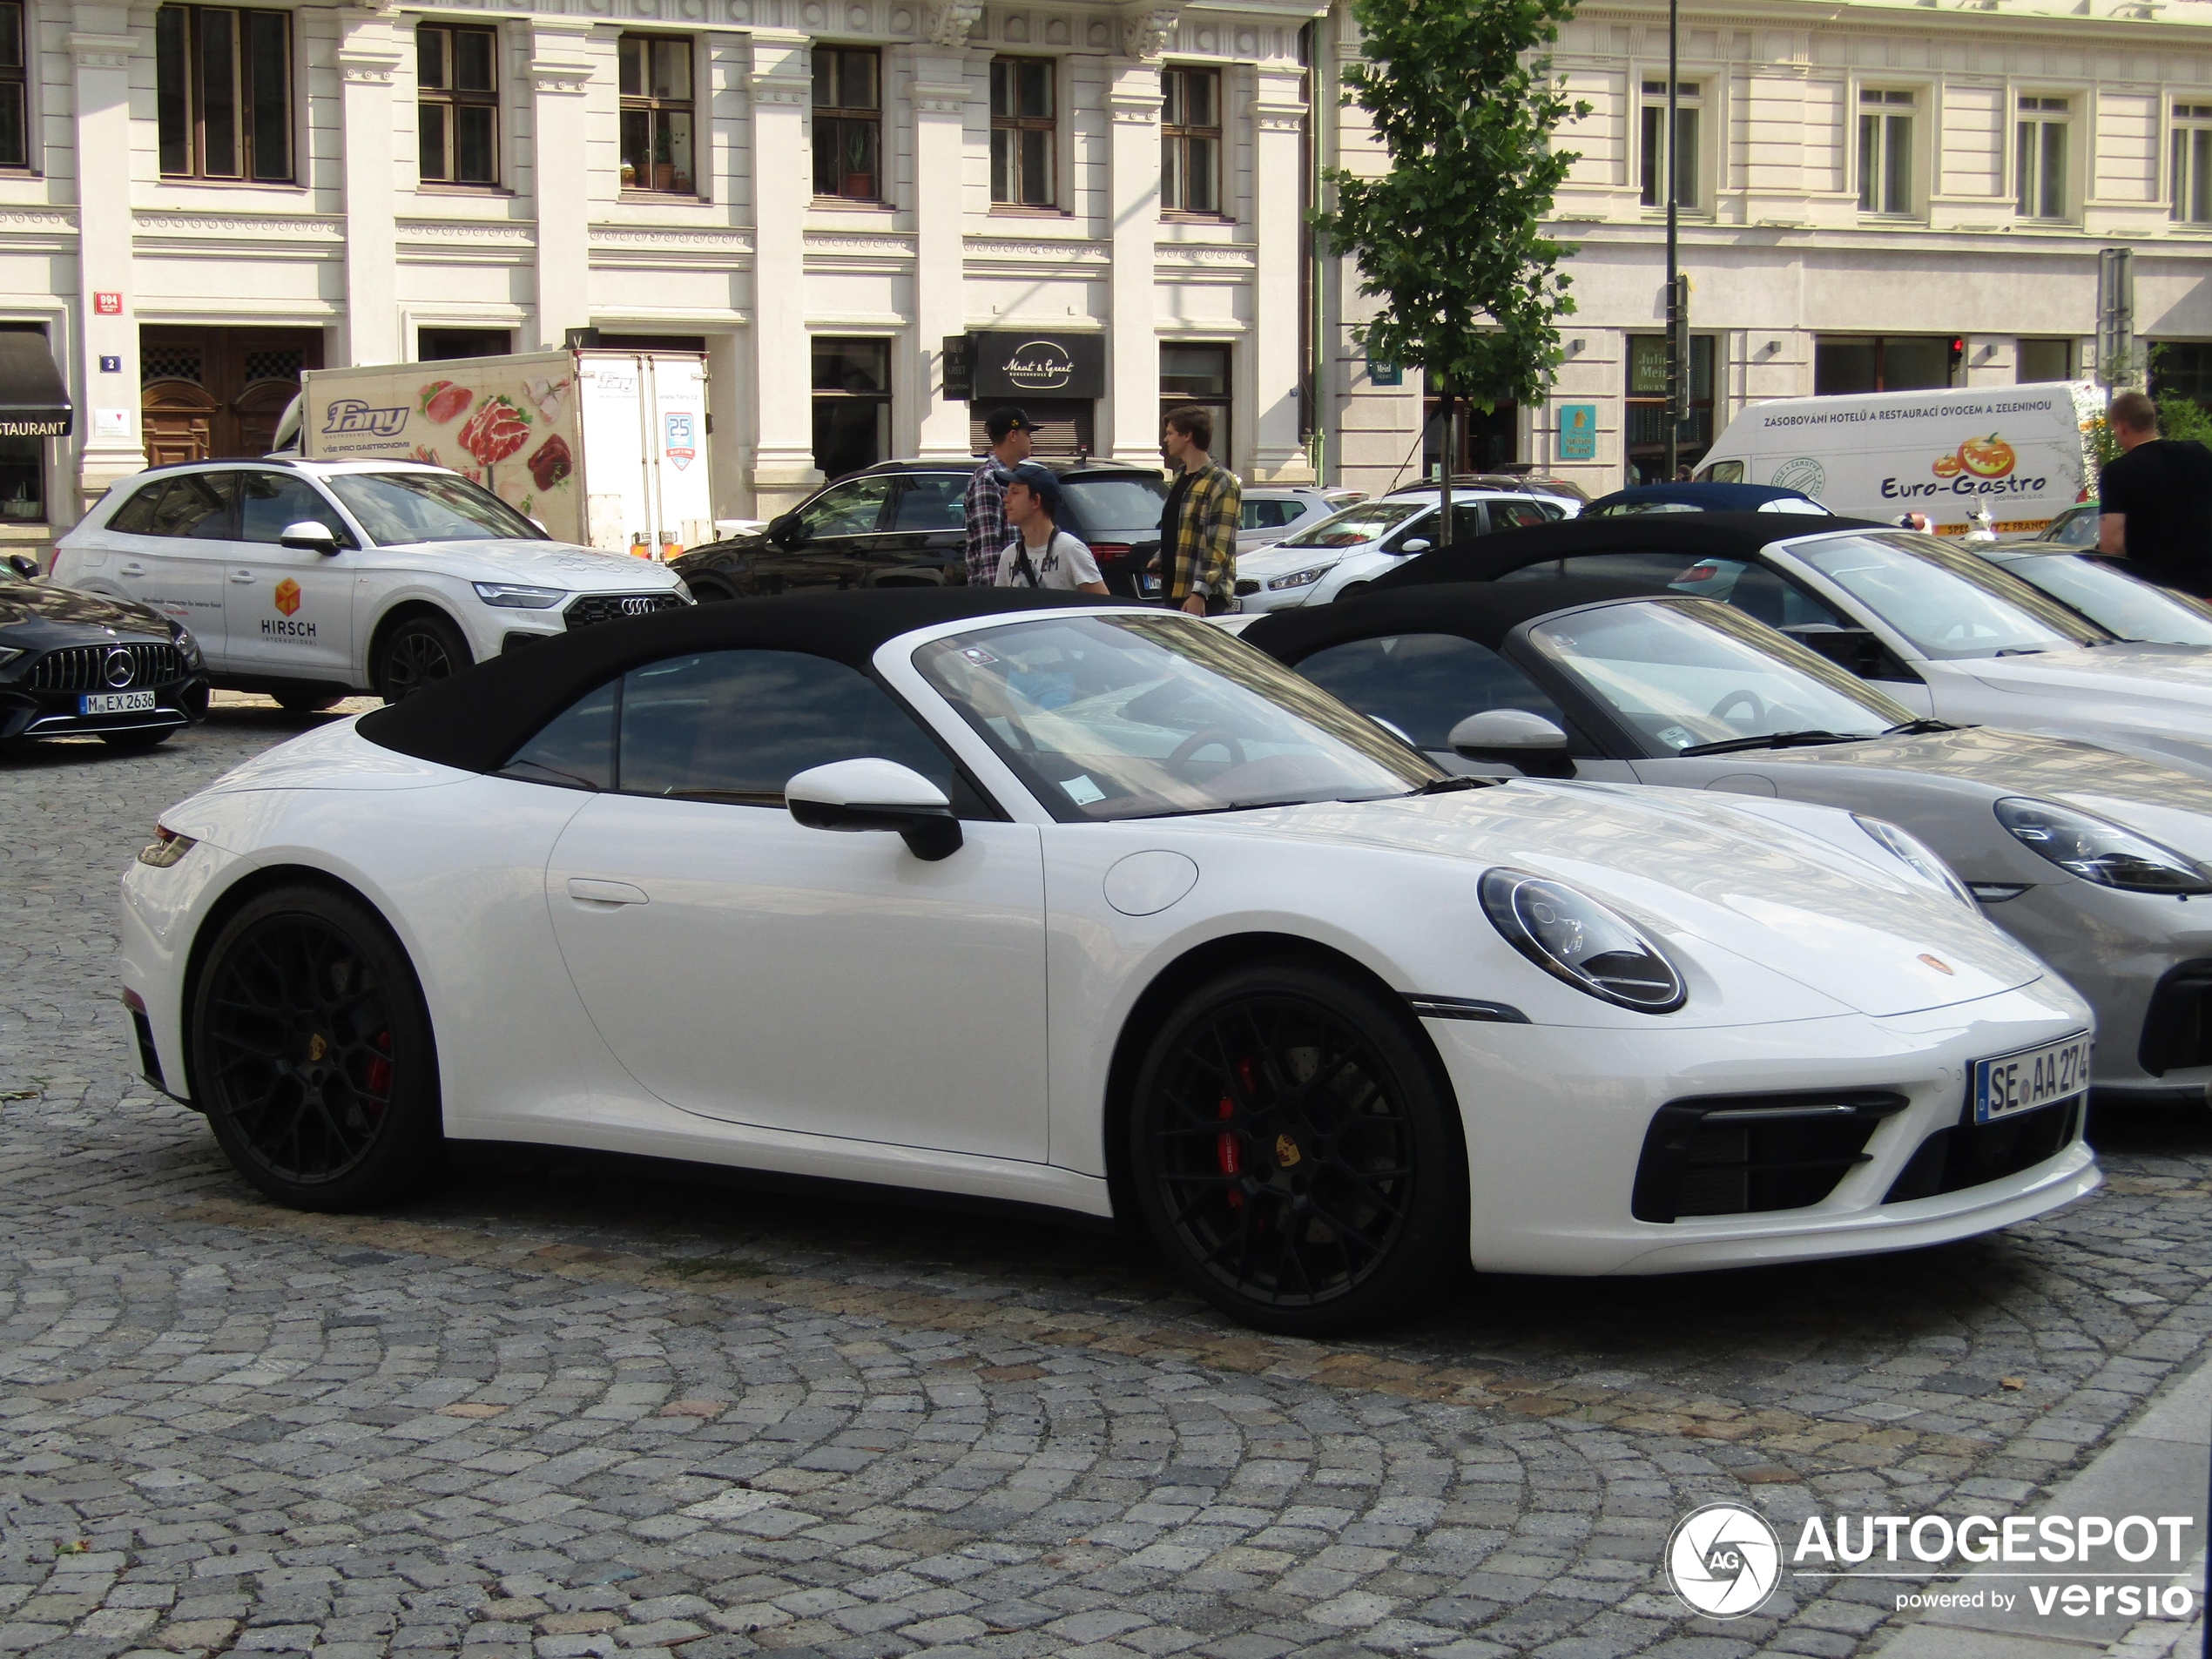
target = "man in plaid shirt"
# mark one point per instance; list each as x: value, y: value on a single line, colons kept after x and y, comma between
x: 1198, y: 558
x: 983, y: 507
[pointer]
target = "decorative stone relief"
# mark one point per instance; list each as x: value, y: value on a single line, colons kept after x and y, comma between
x: 496, y: 231
x: 103, y: 52
x: 1146, y: 29
x: 1017, y: 29
x: 367, y: 68
x: 1100, y: 34
x: 946, y: 23
x: 1056, y: 32
x: 268, y: 227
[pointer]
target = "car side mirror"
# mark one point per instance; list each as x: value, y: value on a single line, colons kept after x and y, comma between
x: 308, y: 536
x: 1853, y: 650
x: 1419, y: 544
x: 23, y: 565
x: 876, y: 795
x: 1529, y: 742
x: 783, y: 530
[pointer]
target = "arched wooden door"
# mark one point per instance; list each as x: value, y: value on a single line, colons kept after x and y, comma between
x: 218, y: 394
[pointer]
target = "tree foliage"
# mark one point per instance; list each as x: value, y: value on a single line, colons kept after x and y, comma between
x: 1450, y: 238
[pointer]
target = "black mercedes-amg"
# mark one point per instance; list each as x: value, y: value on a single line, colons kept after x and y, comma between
x: 76, y: 664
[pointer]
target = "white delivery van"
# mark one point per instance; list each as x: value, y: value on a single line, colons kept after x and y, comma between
x: 604, y: 448
x: 2024, y: 452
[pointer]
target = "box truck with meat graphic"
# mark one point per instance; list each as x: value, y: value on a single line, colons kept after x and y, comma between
x: 605, y: 448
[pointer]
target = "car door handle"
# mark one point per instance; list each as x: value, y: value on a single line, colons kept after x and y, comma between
x: 593, y: 894
x: 133, y: 569
x: 241, y: 576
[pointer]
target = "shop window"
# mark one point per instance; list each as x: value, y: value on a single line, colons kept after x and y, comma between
x: 2037, y: 360
x: 1844, y: 363
x: 2040, y: 157
x: 1198, y: 374
x: 2182, y: 369
x: 23, y: 461
x: 223, y: 93
x: 15, y: 105
x: 1647, y: 407
x: 657, y: 114
x: 1488, y: 438
x: 434, y: 345
x: 848, y: 123
x: 1024, y: 129
x: 2192, y: 185
x: 1654, y: 149
x: 457, y: 108
x: 851, y: 404
x: 1885, y: 151
x: 1190, y: 141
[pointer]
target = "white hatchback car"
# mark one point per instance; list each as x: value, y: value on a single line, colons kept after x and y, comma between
x: 1342, y: 554
x: 1273, y: 511
x: 314, y: 580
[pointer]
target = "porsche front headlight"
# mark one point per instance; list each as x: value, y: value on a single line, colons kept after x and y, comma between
x: 1573, y: 937
x: 1916, y: 854
x: 2099, y: 850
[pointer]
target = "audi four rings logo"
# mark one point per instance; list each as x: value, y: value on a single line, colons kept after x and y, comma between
x: 638, y: 606
x: 117, y: 668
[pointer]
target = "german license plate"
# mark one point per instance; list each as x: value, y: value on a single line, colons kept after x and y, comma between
x: 1149, y: 583
x: 2013, y: 1083
x: 116, y: 703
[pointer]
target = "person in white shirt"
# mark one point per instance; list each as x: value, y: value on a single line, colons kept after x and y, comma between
x: 1042, y: 555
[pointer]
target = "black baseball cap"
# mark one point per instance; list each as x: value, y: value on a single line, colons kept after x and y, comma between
x: 1041, y: 482
x: 1005, y: 419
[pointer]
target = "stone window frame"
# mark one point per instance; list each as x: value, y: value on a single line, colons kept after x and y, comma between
x: 1651, y: 120
x: 2189, y: 152
x: 1185, y: 133
x: 684, y: 175
x: 15, y: 82
x: 1047, y: 124
x: 449, y: 98
x: 2044, y: 110
x: 849, y: 117
x: 1884, y: 107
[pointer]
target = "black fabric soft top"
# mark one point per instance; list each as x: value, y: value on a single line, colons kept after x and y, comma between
x: 1721, y: 535
x: 477, y: 719
x: 1483, y: 611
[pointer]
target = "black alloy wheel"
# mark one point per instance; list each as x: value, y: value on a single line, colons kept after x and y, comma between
x: 1296, y: 1151
x: 312, y: 1053
x: 421, y: 650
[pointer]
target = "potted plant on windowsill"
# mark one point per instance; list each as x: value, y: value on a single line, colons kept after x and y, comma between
x: 855, y: 184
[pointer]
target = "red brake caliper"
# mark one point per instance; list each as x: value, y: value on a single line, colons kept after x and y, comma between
x: 1226, y: 1152
x: 380, y: 1068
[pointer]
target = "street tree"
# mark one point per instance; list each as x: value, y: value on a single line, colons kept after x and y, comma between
x: 1451, y: 237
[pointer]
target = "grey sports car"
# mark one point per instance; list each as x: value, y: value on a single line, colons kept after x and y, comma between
x: 2101, y: 863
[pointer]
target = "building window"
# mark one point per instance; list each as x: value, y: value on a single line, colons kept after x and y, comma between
x: 15, y: 109
x: 851, y: 404
x: 435, y: 345
x: 2037, y: 360
x: 2040, y: 157
x: 1880, y: 363
x: 2192, y: 163
x: 1647, y: 407
x: 1884, y: 152
x: 223, y: 93
x: 1655, y: 144
x: 456, y: 71
x: 1198, y: 374
x: 848, y: 123
x: 657, y: 113
x: 2181, y: 369
x: 1023, y: 127
x: 1190, y: 141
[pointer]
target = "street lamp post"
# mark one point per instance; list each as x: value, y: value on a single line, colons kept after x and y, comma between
x: 1675, y: 366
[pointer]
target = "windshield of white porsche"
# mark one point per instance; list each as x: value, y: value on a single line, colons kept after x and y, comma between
x: 1687, y: 673
x: 1145, y: 717
x: 2128, y: 605
x: 1948, y: 603
x: 398, y: 509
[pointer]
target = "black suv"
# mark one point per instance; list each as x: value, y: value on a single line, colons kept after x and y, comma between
x: 900, y: 524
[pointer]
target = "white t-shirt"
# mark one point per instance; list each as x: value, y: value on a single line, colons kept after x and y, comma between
x: 1064, y: 562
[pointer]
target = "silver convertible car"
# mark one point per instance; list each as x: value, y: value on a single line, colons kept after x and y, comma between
x: 1942, y: 630
x: 2100, y: 863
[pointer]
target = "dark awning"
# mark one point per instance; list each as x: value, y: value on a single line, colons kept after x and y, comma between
x: 33, y: 401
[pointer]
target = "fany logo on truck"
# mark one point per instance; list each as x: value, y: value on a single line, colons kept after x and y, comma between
x: 1978, y: 467
x: 350, y: 417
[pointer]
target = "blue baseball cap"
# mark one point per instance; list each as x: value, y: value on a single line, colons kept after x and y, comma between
x: 1041, y: 482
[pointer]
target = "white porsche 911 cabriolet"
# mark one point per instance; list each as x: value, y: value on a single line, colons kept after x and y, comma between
x: 1095, y: 907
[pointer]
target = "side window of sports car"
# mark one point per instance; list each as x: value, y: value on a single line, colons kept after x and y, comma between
x: 577, y: 750
x: 1426, y: 684
x: 135, y: 516
x: 735, y: 726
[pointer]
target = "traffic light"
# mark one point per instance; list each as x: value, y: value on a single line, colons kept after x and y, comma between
x: 1957, y: 354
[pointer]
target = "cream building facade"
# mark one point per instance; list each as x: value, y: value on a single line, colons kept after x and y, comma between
x: 197, y: 201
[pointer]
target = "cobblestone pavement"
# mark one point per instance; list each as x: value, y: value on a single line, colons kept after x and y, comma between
x: 575, y: 1406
